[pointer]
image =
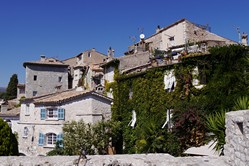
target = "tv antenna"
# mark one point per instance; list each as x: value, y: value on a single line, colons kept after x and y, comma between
x: 133, y: 39
x: 141, y: 32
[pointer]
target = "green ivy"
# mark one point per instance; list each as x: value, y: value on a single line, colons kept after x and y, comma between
x: 225, y: 71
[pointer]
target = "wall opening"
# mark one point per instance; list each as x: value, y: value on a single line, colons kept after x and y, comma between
x: 240, y: 126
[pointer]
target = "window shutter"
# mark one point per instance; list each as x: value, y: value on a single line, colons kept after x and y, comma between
x: 41, y: 139
x: 61, y: 113
x: 43, y: 113
x: 59, y: 138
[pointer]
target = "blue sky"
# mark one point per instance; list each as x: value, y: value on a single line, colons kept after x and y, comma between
x: 64, y: 28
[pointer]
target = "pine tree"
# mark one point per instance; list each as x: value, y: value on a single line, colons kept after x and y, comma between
x: 11, y: 91
x: 8, y: 141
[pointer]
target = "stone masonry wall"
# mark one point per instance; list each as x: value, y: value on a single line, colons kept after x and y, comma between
x: 114, y: 160
x: 237, y: 138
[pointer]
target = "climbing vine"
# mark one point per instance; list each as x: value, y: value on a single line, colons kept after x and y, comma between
x: 224, y: 75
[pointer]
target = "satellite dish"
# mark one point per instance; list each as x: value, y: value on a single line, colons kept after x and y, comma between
x: 142, y: 36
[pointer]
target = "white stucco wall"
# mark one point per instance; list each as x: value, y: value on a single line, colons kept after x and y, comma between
x: 177, y: 32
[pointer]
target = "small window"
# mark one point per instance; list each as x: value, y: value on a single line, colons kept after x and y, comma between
x: 172, y: 38
x: 59, y: 79
x: 34, y: 93
x: 35, y: 77
x: 25, y: 132
x: 89, y: 54
x: 51, y: 139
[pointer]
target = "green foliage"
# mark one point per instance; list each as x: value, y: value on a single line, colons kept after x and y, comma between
x: 94, y: 139
x: 242, y: 103
x: 11, y: 91
x: 145, y: 95
x: 225, y: 74
x: 57, y: 151
x: 8, y: 141
x: 216, y: 124
x: 189, y: 124
x: 154, y: 139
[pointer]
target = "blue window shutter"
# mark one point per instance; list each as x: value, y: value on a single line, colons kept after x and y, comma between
x: 61, y: 113
x: 59, y: 137
x: 41, y: 139
x: 43, y: 113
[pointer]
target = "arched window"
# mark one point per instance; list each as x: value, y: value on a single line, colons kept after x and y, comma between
x: 51, y: 139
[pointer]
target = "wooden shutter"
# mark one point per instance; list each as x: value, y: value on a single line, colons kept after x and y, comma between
x: 43, y: 113
x: 41, y: 139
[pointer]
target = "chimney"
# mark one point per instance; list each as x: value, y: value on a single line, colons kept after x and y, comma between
x: 158, y: 28
x: 244, y: 39
x: 110, y: 52
x: 43, y: 57
x: 93, y: 49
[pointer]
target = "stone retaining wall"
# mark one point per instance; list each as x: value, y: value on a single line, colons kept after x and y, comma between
x: 114, y: 160
x: 237, y: 137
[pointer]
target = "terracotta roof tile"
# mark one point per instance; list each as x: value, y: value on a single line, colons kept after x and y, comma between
x: 65, y: 96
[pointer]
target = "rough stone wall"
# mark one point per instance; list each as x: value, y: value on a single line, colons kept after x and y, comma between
x: 237, y: 137
x: 115, y: 160
x: 47, y: 79
x: 129, y: 61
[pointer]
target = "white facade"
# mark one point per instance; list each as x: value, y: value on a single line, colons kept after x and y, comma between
x: 41, y: 124
x: 181, y: 33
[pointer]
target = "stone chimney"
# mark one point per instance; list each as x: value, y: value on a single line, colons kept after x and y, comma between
x: 93, y: 49
x: 110, y: 52
x: 158, y: 28
x: 43, y: 58
x: 244, y: 39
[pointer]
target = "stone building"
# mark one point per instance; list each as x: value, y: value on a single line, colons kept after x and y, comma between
x: 181, y: 34
x: 85, y: 70
x: 20, y: 91
x: 42, y: 118
x: 48, y: 75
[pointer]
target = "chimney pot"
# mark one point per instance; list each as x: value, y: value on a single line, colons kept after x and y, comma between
x: 43, y: 57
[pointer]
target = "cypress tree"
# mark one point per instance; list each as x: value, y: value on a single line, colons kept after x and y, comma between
x: 8, y: 141
x: 11, y: 91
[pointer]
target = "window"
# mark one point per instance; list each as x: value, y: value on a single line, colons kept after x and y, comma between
x: 35, y: 77
x: 169, y: 81
x: 27, y: 109
x: 59, y: 79
x: 34, y: 93
x: 51, y: 139
x: 172, y: 38
x: 25, y: 132
x: 52, y: 114
x: 202, y: 74
x: 89, y: 54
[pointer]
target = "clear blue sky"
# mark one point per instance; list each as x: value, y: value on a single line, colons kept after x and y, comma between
x: 64, y: 28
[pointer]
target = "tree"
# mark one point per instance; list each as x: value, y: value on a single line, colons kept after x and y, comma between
x: 94, y: 139
x: 215, y: 123
x: 8, y: 141
x: 11, y: 91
